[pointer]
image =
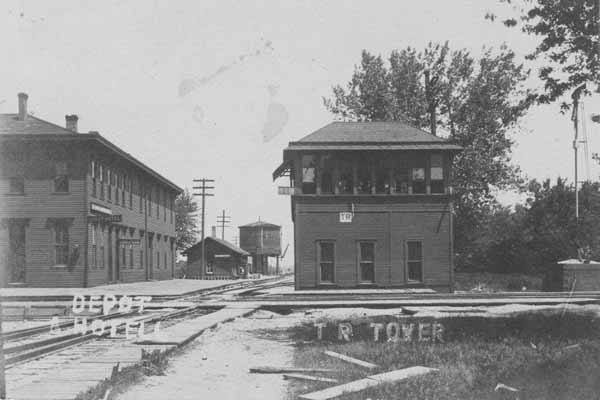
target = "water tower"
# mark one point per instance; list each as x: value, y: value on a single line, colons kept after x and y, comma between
x: 262, y: 240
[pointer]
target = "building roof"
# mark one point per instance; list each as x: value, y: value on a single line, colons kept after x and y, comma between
x: 11, y: 124
x: 259, y: 224
x: 35, y: 128
x: 356, y: 135
x: 222, y: 242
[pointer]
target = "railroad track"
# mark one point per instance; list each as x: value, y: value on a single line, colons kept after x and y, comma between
x: 33, y: 343
x: 35, y: 349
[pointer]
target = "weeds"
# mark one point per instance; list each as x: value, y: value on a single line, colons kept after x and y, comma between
x: 532, y: 352
x: 153, y: 363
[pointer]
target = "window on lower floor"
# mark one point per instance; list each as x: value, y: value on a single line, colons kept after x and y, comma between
x: 102, y: 256
x: 210, y: 269
x: 141, y: 258
x: 17, y: 185
x: 123, y: 256
x: 61, y: 243
x: 158, y: 259
x: 326, y: 265
x: 131, y: 256
x: 94, y: 256
x: 94, y: 260
x: 366, y: 259
x: 414, y: 260
x: 165, y: 264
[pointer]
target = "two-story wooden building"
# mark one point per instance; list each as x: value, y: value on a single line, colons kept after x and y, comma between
x: 371, y: 206
x: 78, y: 211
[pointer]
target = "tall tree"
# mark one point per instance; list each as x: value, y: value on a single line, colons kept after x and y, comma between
x: 479, y: 102
x: 186, y: 220
x: 569, y: 46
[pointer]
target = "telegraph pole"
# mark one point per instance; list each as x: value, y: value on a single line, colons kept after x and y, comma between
x: 222, y: 220
x: 575, y: 118
x: 203, y: 193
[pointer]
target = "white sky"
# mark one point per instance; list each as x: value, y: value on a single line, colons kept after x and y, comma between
x: 122, y: 65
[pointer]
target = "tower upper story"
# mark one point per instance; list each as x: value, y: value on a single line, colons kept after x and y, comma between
x: 369, y: 159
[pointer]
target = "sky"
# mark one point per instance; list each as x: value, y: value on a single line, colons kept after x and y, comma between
x: 216, y: 89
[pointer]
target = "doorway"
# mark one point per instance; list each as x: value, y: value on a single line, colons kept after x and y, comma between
x: 16, y: 253
x: 110, y: 256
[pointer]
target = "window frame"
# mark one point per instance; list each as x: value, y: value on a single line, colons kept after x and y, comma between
x: 94, y: 260
x: 320, y: 262
x: 61, y: 174
x: 60, y: 247
x: 360, y: 261
x: 407, y: 260
x: 434, y: 182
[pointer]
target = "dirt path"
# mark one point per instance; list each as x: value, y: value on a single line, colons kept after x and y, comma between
x: 216, y: 365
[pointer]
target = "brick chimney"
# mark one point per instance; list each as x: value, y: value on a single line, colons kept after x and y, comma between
x: 71, y: 122
x: 22, y: 106
x: 214, y: 231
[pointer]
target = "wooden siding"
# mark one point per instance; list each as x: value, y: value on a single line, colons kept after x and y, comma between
x: 156, y: 233
x: 38, y: 204
x: 386, y: 223
x: 221, y: 267
x: 250, y: 240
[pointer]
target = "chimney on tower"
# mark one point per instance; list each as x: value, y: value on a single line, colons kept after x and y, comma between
x: 71, y: 122
x: 22, y: 106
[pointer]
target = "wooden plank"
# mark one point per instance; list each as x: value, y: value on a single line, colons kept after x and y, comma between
x: 282, y: 370
x: 308, y: 378
x: 373, y: 380
x: 352, y: 360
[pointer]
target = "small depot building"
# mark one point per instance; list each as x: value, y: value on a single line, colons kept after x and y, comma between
x: 223, y: 260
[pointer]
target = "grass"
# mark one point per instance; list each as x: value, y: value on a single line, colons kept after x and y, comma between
x: 153, y: 363
x: 528, y: 352
x: 487, y: 282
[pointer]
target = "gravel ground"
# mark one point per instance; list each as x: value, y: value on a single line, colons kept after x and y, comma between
x: 216, y: 365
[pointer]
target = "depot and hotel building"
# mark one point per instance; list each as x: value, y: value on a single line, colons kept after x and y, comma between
x: 78, y: 211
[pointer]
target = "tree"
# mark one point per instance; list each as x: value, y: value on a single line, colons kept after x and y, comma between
x: 543, y: 231
x: 569, y: 46
x: 479, y: 102
x: 185, y: 220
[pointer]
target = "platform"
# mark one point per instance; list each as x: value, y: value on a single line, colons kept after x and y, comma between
x: 166, y: 289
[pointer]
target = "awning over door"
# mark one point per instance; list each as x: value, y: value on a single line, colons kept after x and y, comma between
x: 283, y: 170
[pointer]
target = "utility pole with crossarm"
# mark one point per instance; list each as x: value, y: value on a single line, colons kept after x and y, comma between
x: 222, y: 220
x: 203, y: 193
